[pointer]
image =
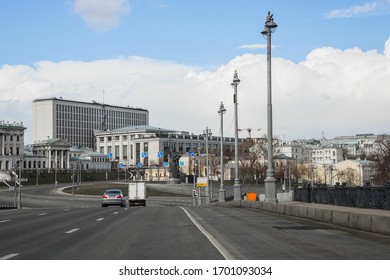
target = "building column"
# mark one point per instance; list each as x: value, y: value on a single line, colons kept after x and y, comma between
x: 105, y: 145
x: 121, y: 148
x: 49, y: 160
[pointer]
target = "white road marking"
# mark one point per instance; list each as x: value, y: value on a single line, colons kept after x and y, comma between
x: 10, y: 256
x: 100, y: 219
x: 72, y: 230
x: 115, y: 213
x: 4, y: 221
x: 224, y: 252
x: 42, y: 214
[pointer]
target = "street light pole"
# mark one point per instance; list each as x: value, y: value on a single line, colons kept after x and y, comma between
x: 270, y: 181
x: 222, y: 192
x: 20, y: 183
x: 237, y: 186
x: 207, y: 133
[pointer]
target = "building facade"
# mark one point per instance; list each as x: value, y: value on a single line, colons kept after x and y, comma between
x: 150, y: 146
x: 327, y: 155
x: 11, y: 144
x: 356, y: 172
x: 76, y: 121
x: 294, y: 151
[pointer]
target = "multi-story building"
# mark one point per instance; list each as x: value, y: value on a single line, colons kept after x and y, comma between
x: 57, y: 155
x: 76, y: 121
x: 356, y: 146
x: 293, y: 150
x: 11, y: 144
x: 149, y: 146
x: 327, y: 155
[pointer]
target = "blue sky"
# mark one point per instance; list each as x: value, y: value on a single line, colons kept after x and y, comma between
x: 201, y: 32
x: 331, y: 61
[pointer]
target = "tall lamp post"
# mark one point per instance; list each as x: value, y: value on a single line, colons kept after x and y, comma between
x: 237, y: 186
x: 207, y: 133
x: 270, y: 181
x: 222, y: 192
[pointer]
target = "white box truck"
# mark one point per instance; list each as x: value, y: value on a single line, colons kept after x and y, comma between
x: 137, y: 194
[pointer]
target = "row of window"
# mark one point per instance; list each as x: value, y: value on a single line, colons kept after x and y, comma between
x: 10, y: 151
x: 9, y: 137
x: 181, y: 148
x: 326, y: 152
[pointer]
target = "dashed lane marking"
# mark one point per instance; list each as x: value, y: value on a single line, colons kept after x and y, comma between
x: 72, y: 230
x: 115, y: 213
x: 4, y: 221
x: 10, y: 256
x: 100, y: 219
x: 42, y: 214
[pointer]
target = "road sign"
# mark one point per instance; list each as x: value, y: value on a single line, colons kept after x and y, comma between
x: 109, y: 155
x: 144, y: 155
x: 23, y: 179
x: 166, y: 164
x: 160, y: 154
x: 191, y: 153
x: 139, y: 164
x: 120, y: 165
x: 181, y: 163
x: 201, y: 182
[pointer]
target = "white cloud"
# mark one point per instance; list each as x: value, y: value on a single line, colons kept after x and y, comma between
x: 101, y: 15
x: 335, y: 91
x: 366, y: 9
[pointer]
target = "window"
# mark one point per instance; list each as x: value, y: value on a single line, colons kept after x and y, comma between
x: 125, y: 151
x: 116, y: 152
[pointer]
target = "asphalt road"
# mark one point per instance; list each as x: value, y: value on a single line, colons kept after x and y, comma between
x: 65, y: 227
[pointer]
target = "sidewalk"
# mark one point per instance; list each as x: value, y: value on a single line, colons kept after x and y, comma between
x: 372, y: 220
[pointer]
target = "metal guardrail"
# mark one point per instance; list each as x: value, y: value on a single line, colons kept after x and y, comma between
x: 360, y: 197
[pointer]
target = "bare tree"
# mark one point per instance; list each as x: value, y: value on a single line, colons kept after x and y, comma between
x: 350, y: 176
x: 382, y: 159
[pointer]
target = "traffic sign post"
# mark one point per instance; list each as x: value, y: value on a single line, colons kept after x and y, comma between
x: 201, y: 183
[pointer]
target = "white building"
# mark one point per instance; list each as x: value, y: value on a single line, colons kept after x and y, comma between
x: 49, y: 156
x: 57, y: 155
x: 11, y: 144
x: 76, y: 121
x: 327, y: 155
x: 358, y: 145
x: 149, y: 146
x: 88, y: 160
x: 294, y: 151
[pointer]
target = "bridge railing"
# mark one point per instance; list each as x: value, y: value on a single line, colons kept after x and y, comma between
x: 376, y: 197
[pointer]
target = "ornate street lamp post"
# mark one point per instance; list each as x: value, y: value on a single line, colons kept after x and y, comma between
x: 237, y: 186
x: 222, y: 192
x: 270, y: 181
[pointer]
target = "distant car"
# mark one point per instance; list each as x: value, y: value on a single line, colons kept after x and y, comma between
x: 113, y: 197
